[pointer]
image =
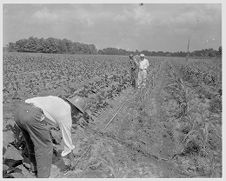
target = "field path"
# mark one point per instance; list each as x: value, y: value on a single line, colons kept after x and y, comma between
x: 97, y: 134
x: 131, y: 132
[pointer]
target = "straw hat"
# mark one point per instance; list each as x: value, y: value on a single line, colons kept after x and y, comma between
x: 78, y: 102
x: 142, y: 55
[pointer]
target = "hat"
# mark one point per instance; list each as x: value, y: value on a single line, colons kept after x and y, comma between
x: 131, y: 56
x: 141, y: 55
x: 78, y: 102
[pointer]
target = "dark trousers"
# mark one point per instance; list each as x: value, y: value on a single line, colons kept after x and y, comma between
x: 37, y: 137
x: 133, y: 74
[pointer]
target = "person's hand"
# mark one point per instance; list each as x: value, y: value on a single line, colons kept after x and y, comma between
x: 33, y: 169
x: 72, y: 160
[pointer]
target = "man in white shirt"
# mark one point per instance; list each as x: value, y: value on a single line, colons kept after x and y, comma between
x: 142, y: 74
x: 32, y: 117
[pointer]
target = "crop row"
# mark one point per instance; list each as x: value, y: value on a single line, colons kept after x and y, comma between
x: 26, y: 75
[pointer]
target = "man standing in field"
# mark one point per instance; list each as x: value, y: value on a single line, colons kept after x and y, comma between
x: 35, y: 116
x: 142, y: 74
x: 133, y: 70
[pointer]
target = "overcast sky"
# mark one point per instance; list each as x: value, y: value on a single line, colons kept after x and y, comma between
x: 153, y: 27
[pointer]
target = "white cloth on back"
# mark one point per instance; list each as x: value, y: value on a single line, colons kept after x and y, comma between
x: 59, y: 112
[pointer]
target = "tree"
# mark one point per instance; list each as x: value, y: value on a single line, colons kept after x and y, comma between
x: 220, y: 50
x: 12, y: 47
x: 53, y: 45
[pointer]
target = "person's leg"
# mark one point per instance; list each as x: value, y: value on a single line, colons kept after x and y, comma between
x: 43, y: 147
x: 134, y: 79
x: 29, y: 118
x: 144, y: 75
x: 131, y: 76
x: 139, y: 81
x: 19, y: 119
x: 30, y: 148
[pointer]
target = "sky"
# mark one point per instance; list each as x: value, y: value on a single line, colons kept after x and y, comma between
x: 153, y: 27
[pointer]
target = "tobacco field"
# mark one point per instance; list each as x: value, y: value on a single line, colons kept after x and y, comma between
x: 171, y: 128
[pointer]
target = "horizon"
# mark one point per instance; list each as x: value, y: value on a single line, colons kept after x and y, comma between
x: 151, y: 27
x: 122, y: 48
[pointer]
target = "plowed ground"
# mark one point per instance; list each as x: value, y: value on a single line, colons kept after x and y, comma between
x: 171, y: 128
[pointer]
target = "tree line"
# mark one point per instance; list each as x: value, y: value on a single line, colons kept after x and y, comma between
x: 197, y: 53
x: 64, y: 46
x: 51, y: 45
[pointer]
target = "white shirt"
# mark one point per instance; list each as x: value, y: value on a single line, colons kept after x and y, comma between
x: 144, y: 64
x: 59, y: 112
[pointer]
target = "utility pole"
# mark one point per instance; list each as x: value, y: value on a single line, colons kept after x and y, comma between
x: 187, y: 56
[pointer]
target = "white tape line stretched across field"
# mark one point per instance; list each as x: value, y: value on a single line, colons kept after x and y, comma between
x: 89, y: 147
x: 110, y: 121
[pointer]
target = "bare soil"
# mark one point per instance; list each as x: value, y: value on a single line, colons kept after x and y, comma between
x: 171, y: 128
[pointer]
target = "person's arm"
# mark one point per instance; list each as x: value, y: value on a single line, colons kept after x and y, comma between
x: 67, y: 141
x: 65, y: 127
x: 147, y: 64
x: 136, y: 60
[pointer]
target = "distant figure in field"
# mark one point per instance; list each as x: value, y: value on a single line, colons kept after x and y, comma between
x: 133, y: 69
x: 142, y: 74
x: 35, y: 117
